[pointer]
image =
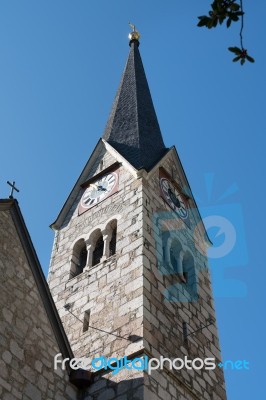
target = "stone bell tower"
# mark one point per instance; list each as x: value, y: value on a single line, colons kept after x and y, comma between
x: 129, y: 272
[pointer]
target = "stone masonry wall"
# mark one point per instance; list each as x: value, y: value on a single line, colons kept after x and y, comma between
x: 27, y: 343
x: 112, y: 290
x: 164, y: 316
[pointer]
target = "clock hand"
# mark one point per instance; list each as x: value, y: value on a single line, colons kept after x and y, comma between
x: 94, y: 186
x: 100, y: 187
x: 174, y: 198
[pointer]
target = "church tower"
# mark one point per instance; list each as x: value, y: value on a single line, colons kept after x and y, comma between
x: 129, y: 272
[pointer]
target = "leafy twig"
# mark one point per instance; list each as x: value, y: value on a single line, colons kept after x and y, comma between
x: 221, y: 10
x: 229, y: 11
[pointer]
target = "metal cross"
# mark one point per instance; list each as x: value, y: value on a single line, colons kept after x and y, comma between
x: 13, y: 187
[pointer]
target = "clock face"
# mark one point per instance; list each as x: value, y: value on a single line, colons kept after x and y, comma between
x: 174, y: 198
x: 99, y: 190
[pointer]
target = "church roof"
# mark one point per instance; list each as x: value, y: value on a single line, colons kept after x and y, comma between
x: 133, y: 129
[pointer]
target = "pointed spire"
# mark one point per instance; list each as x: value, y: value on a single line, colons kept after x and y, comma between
x: 133, y: 129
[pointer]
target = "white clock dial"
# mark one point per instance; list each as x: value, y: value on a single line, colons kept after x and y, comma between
x: 174, y: 198
x: 98, y: 190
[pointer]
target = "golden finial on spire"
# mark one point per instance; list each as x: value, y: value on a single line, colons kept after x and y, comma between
x: 134, y: 35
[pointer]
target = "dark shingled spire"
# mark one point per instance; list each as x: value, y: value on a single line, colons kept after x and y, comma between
x: 133, y: 129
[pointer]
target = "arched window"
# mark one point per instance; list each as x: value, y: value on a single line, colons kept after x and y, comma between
x: 175, y: 250
x: 112, y: 243
x: 173, y: 258
x: 79, y: 258
x: 82, y: 258
x: 190, y: 275
x: 98, y: 251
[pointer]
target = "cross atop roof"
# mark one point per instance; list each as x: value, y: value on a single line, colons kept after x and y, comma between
x: 13, y: 187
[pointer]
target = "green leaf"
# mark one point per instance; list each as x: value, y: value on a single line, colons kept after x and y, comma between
x: 235, y: 50
x: 228, y: 22
x: 234, y: 7
x: 214, y: 23
x: 242, y: 62
x: 236, y: 59
x: 221, y: 19
x: 201, y: 23
x: 203, y: 20
x: 210, y: 24
x: 234, y: 17
x: 250, y: 59
x: 201, y: 16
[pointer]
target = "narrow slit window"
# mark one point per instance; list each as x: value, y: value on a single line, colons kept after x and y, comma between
x: 86, y: 321
x: 185, y: 333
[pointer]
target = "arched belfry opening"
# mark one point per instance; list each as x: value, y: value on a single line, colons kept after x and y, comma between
x: 175, y: 254
x: 97, y: 252
x: 79, y: 258
x: 190, y: 275
x: 113, y: 237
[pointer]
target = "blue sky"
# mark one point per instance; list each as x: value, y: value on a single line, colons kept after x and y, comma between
x: 61, y: 63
